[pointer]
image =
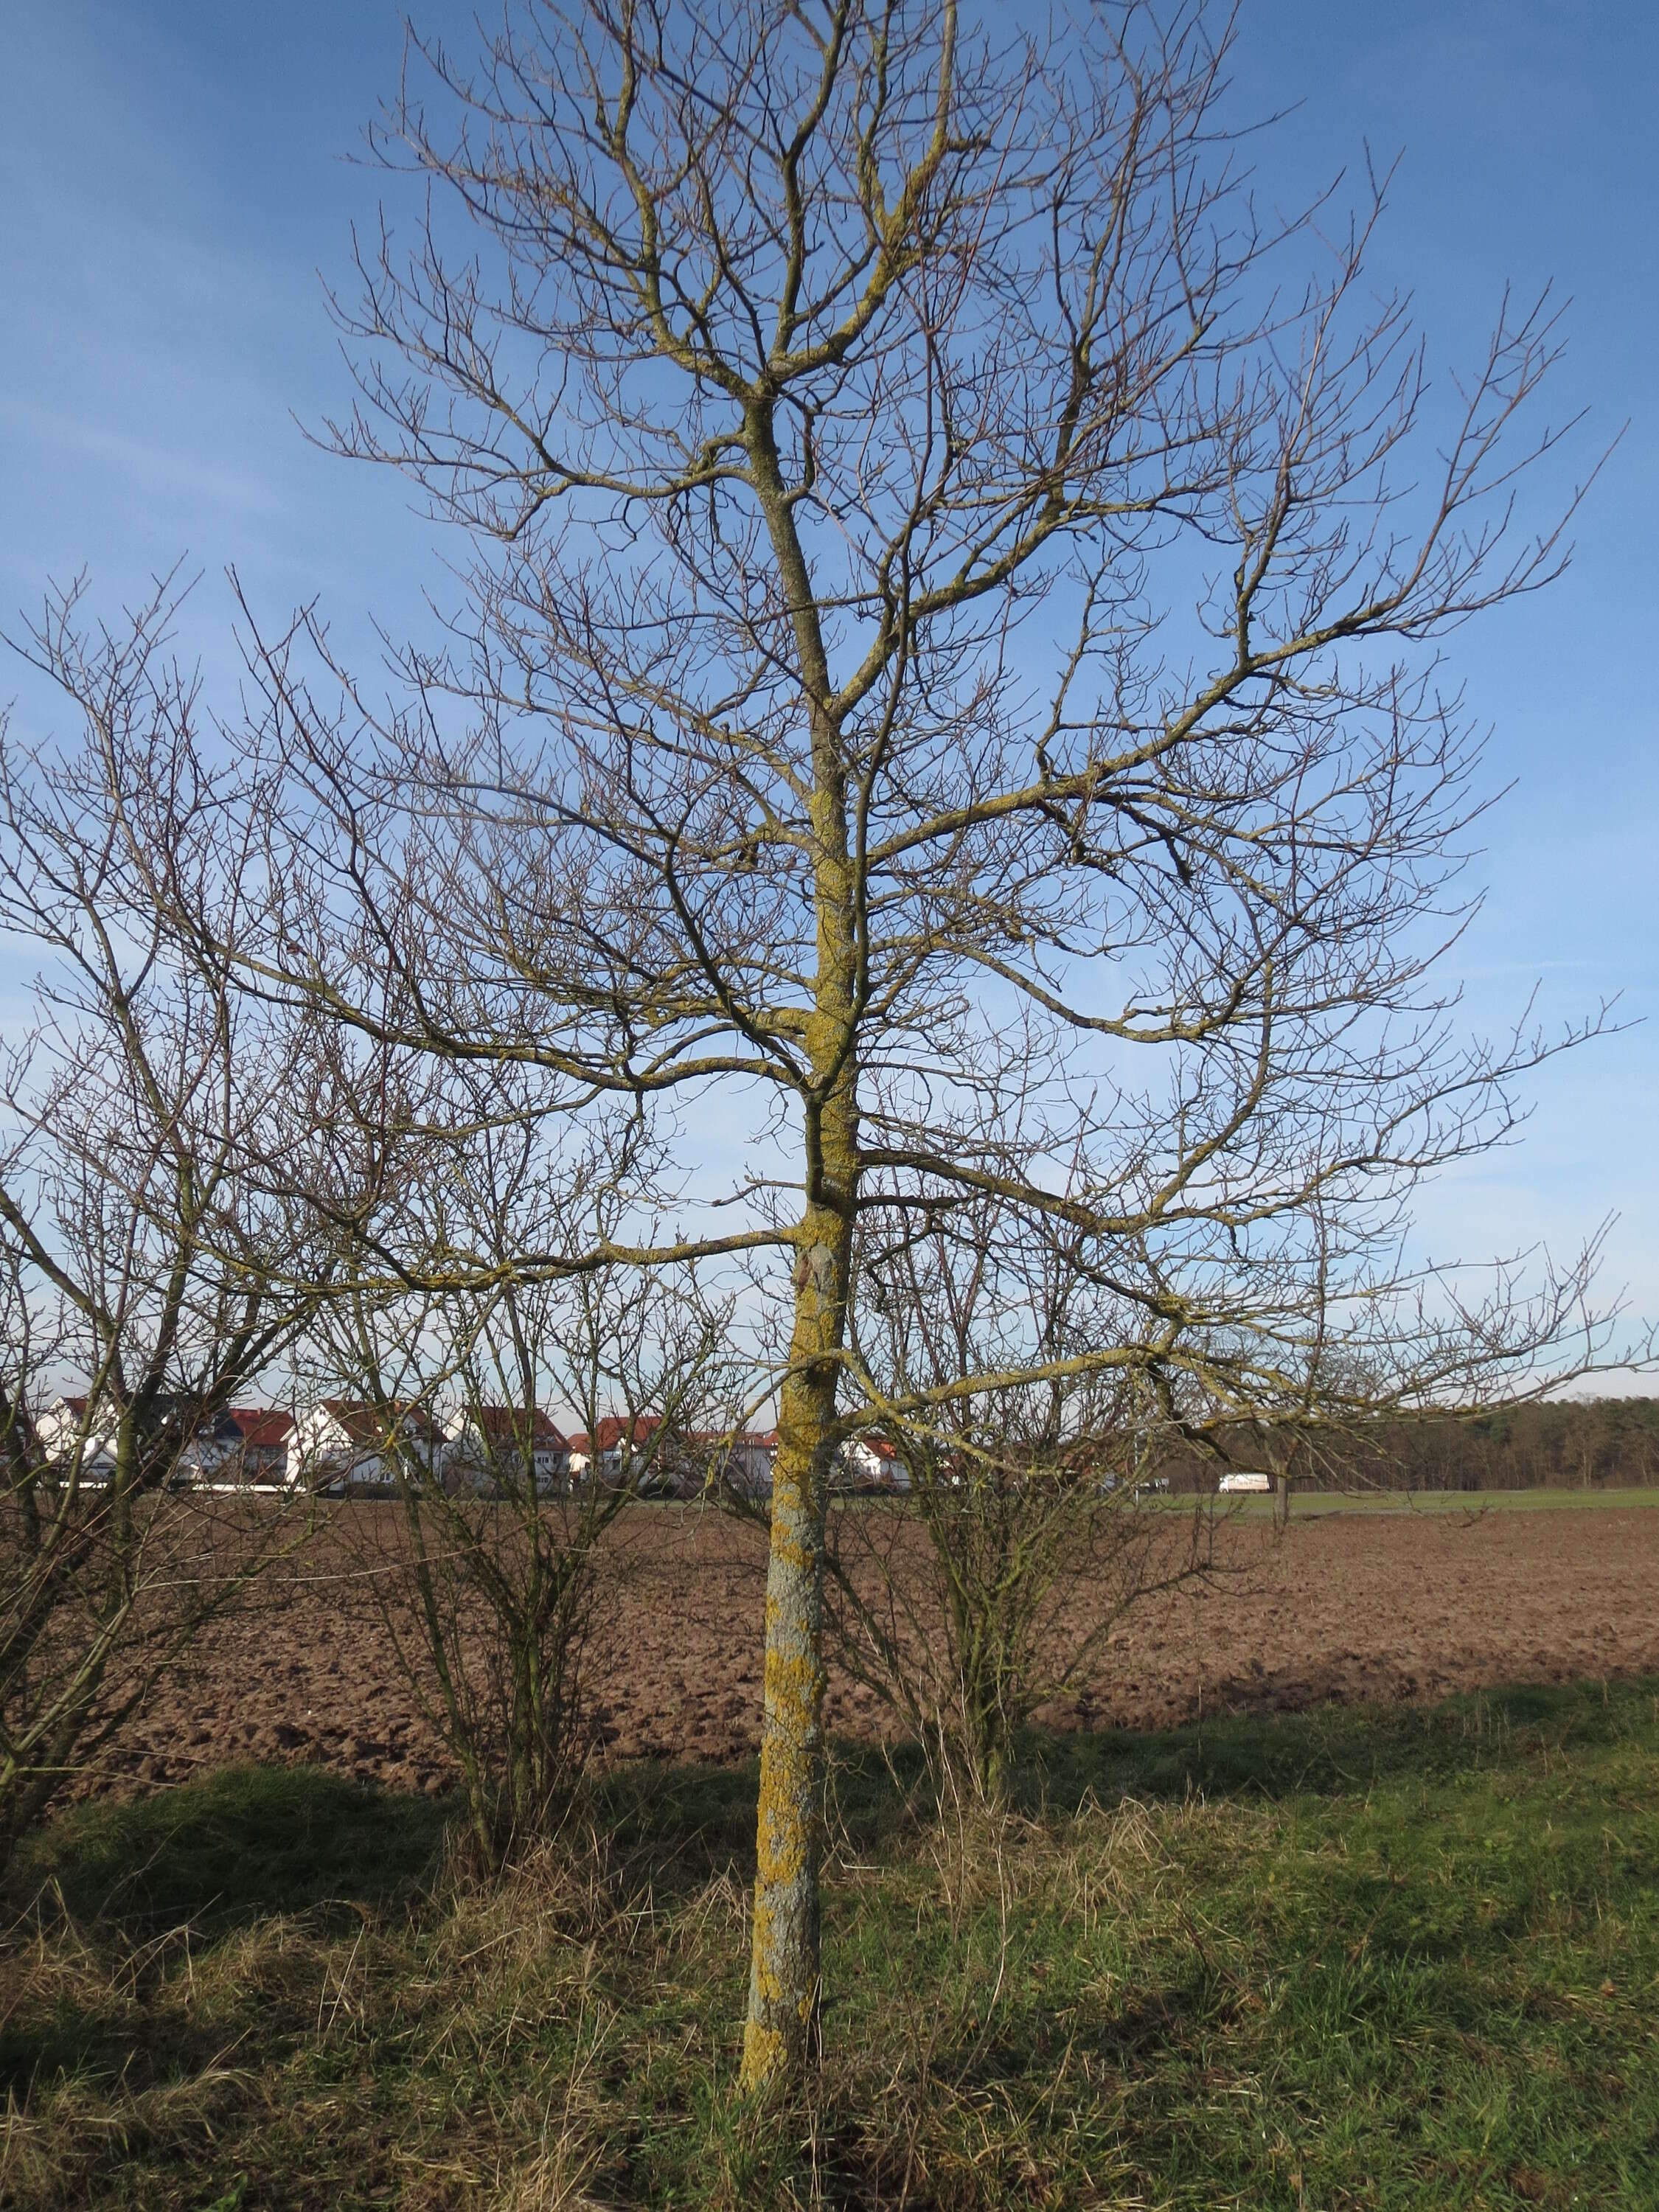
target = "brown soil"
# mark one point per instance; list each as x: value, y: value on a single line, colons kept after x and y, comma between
x: 1406, y: 1606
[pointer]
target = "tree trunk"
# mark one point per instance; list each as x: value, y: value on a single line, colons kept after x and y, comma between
x: 991, y: 1758
x: 780, y: 2039
x: 1282, y: 1500
x: 780, y: 2034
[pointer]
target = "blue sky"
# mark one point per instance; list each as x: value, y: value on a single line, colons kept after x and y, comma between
x: 175, y: 175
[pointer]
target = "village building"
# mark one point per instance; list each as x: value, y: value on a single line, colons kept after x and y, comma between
x: 241, y: 1444
x: 212, y: 1452
x: 485, y: 1446
x: 70, y: 1424
x: 740, y: 1460
x: 869, y: 1464
x: 265, y: 1434
x: 616, y: 1452
x: 341, y: 1444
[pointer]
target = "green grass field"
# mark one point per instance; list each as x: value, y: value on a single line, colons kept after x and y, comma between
x: 1310, y: 1504
x: 1360, y: 1959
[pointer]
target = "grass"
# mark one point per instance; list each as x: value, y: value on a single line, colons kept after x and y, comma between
x: 240, y: 1844
x: 1308, y: 1504
x: 1377, y: 1958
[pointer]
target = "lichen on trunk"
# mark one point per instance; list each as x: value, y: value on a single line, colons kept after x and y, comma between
x: 780, y: 2034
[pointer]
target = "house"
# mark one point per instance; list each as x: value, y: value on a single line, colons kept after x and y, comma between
x: 739, y: 1460
x: 869, y: 1465
x: 72, y: 1424
x: 264, y: 1439
x: 211, y: 1447
x: 744, y: 1459
x: 618, y: 1452
x: 486, y: 1443
x: 212, y: 1451
x: 341, y: 1444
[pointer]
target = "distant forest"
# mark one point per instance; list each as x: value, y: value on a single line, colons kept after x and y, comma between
x: 1575, y: 1444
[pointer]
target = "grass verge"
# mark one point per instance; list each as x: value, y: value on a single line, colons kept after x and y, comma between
x: 1358, y: 1958
x: 1464, y: 1504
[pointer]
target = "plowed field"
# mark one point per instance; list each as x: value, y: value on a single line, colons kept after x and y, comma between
x: 1347, y: 1606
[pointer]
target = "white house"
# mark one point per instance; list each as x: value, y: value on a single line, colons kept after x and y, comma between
x: 743, y: 1460
x: 264, y: 1431
x: 487, y: 1442
x: 214, y: 1448
x: 71, y: 1423
x: 339, y: 1444
x: 613, y: 1453
x: 870, y: 1464
x: 752, y: 1455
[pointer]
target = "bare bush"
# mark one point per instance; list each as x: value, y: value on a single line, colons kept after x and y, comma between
x: 1019, y: 1534
x: 456, y: 1359
x: 149, y: 1268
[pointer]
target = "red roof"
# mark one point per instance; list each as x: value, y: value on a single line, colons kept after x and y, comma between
x: 505, y: 1424
x: 366, y: 1424
x: 611, y: 1430
x: 261, y: 1428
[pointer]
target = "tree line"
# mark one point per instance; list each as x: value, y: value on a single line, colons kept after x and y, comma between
x: 1574, y: 1444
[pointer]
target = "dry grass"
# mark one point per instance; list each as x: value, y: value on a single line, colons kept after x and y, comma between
x: 1383, y: 1959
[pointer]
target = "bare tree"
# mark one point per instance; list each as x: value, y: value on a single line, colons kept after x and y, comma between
x: 148, y: 1272
x: 492, y: 1566
x: 954, y: 610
